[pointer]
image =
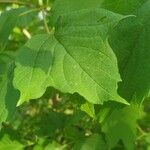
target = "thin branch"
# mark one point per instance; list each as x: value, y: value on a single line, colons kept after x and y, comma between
x: 140, y: 137
x: 29, y: 11
x: 143, y: 133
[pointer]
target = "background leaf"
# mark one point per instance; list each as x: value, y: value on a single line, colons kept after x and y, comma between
x: 130, y: 42
x: 10, y: 19
x: 121, y: 125
x: 8, y: 95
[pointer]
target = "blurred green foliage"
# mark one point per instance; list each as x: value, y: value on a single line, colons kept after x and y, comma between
x: 56, y: 120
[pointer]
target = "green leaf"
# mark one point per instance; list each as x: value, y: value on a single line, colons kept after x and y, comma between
x: 89, y: 109
x: 77, y: 58
x: 26, y: 17
x: 8, y: 95
x: 93, y: 142
x: 130, y: 42
x: 121, y: 125
x: 123, y: 6
x: 9, y: 140
x: 7, y: 23
x: 53, y: 145
x: 9, y: 19
x: 61, y: 7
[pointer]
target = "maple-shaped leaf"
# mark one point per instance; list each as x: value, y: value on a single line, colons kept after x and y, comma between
x: 76, y: 58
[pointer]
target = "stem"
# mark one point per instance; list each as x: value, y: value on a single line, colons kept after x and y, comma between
x: 143, y: 133
x: 140, y: 137
x: 16, y: 2
x: 45, y: 23
x: 30, y: 11
x: 41, y: 4
x: 141, y: 130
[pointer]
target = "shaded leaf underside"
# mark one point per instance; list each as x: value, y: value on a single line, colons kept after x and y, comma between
x: 130, y: 42
x: 8, y: 95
